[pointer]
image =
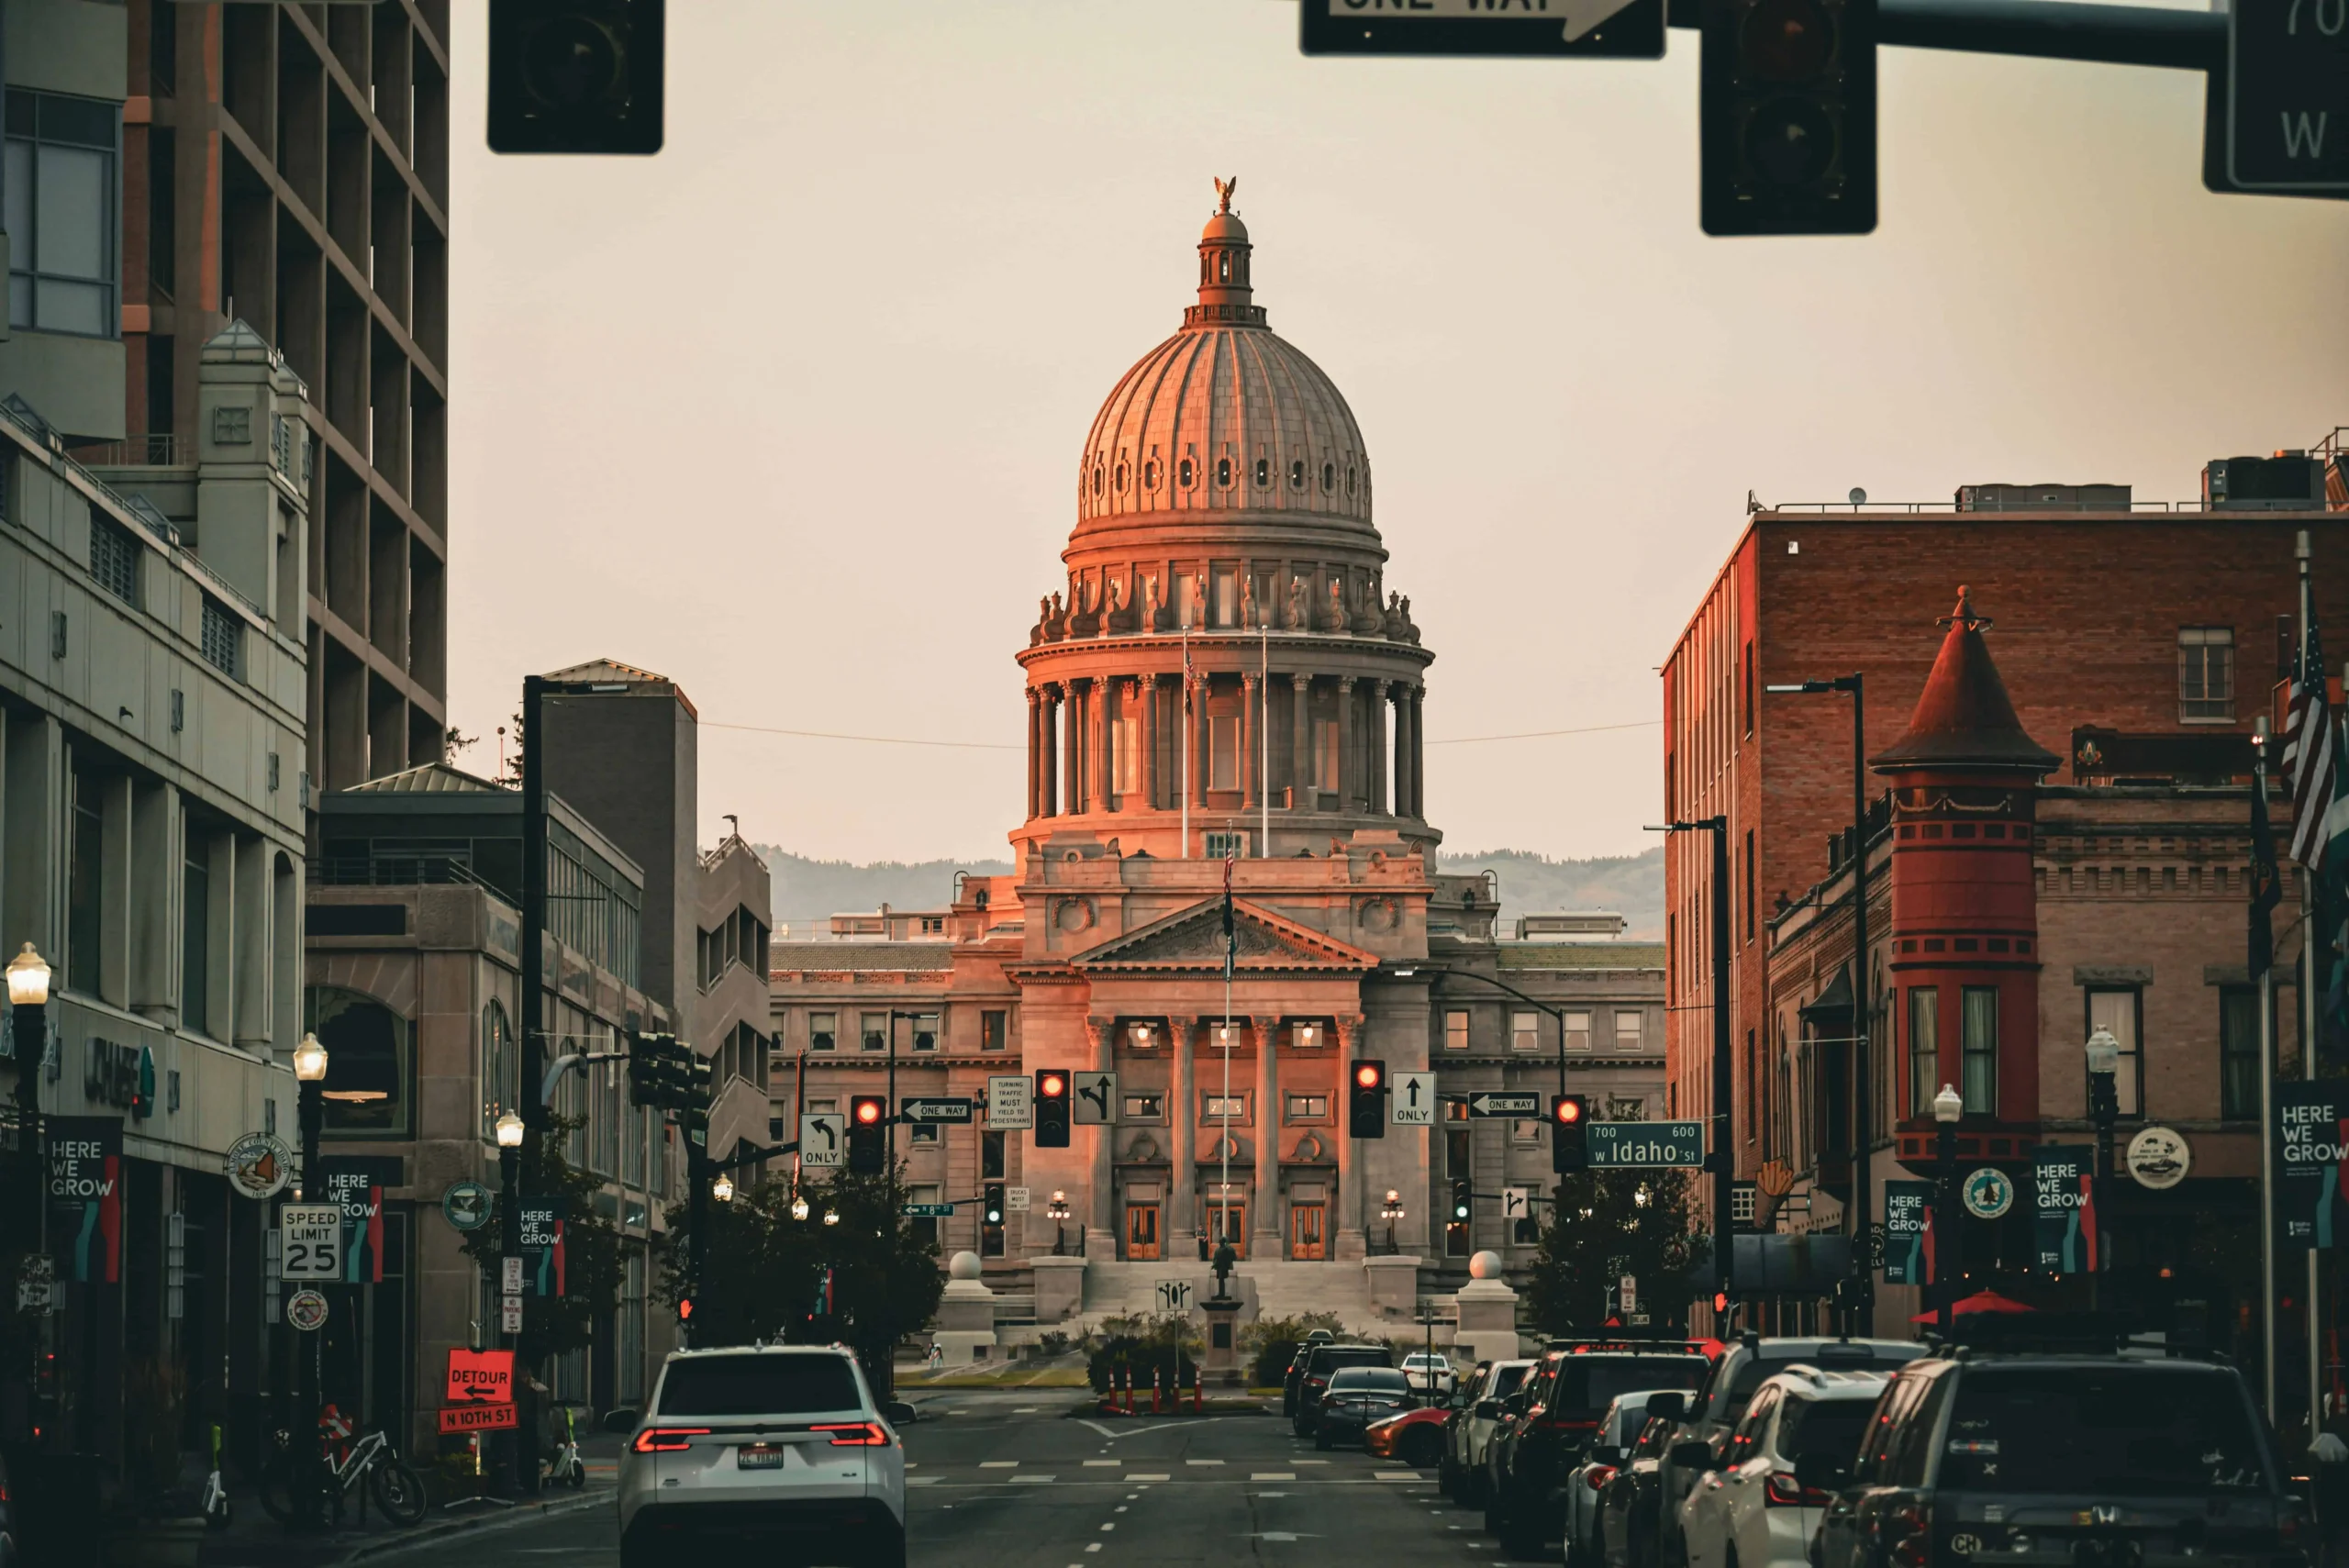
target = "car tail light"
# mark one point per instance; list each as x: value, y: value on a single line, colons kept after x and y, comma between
x: 667, y: 1440
x: 1316, y: 1382
x: 1564, y: 1424
x: 1600, y: 1475
x: 854, y: 1434
x: 1782, y: 1490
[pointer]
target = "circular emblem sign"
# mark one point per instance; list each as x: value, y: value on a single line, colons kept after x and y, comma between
x: 258, y: 1165
x: 465, y: 1204
x: 2159, y: 1158
x: 1988, y: 1193
x: 307, y: 1310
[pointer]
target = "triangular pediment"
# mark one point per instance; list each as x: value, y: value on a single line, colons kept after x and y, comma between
x: 1192, y: 939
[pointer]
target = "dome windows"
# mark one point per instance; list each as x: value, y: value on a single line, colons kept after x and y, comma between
x: 1264, y: 472
x: 1121, y: 478
x: 1150, y: 474
x: 1223, y: 472
x: 1329, y: 477
x: 1350, y: 478
x: 1296, y: 474
x: 1186, y: 473
x: 1097, y: 479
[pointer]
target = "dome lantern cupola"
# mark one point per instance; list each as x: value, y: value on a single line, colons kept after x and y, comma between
x: 1225, y: 297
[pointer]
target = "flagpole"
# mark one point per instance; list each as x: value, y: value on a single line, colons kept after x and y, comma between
x: 1264, y: 739
x: 1183, y: 717
x: 2265, y: 983
x: 2311, y: 1001
x: 1223, y: 1145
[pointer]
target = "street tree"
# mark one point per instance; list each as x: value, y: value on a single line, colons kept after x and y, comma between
x: 1606, y: 1224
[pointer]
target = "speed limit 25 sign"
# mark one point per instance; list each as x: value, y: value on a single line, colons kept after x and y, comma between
x: 309, y: 1241
x: 2287, y: 96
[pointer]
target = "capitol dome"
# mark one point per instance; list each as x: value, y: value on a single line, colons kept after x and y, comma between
x: 1224, y: 417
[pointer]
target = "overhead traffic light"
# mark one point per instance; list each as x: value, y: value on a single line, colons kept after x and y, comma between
x: 1786, y: 121
x: 991, y: 1203
x: 868, y: 1134
x: 1463, y: 1202
x: 1569, y: 1133
x: 1366, y: 1100
x: 1052, y: 1107
x: 643, y: 1069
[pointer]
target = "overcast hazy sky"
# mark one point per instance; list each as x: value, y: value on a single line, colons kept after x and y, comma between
x: 790, y: 412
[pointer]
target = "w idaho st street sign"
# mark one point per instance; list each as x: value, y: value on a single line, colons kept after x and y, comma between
x: 2287, y: 96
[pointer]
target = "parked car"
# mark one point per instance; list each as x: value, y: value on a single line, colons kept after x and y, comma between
x: 1428, y: 1373
x: 1320, y: 1365
x: 1627, y: 1510
x: 2105, y: 1456
x: 1548, y: 1422
x: 1356, y: 1397
x: 1753, y: 1512
x: 1414, y: 1437
x: 1296, y: 1373
x: 784, y: 1444
x: 1619, y: 1429
x: 1721, y: 1402
x: 1475, y: 1412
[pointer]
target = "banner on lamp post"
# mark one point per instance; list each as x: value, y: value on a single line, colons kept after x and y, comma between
x: 1907, y: 1208
x: 2311, y: 1162
x: 542, y: 1252
x: 2064, y: 1228
x: 85, y: 1197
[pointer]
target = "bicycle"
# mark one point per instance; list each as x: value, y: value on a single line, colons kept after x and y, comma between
x: 368, y: 1467
x: 216, y: 1492
x: 564, y: 1464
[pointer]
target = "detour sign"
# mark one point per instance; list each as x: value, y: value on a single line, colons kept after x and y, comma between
x: 476, y: 1418
x: 479, y: 1377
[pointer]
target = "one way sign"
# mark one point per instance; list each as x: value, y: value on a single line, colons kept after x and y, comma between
x: 1504, y: 1105
x: 1097, y: 1099
x: 1413, y: 1099
x: 823, y: 1140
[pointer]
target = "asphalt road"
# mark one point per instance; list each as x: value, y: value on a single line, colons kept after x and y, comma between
x: 1008, y: 1480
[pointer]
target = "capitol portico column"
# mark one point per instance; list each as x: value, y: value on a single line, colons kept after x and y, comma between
x: 1349, y: 1240
x: 1096, y: 764
x: 1301, y: 771
x: 1150, y: 742
x: 1265, y: 1241
x: 1071, y: 726
x: 1419, y: 755
x: 1346, y: 791
x: 1035, y: 702
x: 1100, y: 1226
x: 1182, y: 1120
x: 1202, y: 732
x: 1379, y: 751
x: 1047, y: 763
x: 1251, y: 773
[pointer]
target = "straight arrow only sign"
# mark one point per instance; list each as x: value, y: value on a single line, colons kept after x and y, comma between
x: 1412, y: 1101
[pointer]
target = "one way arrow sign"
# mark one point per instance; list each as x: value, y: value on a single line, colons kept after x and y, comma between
x: 1504, y: 1105
x: 1413, y: 1100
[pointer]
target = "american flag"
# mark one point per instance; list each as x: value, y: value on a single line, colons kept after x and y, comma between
x: 2308, y: 750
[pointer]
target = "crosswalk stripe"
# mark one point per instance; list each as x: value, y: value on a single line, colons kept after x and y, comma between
x: 1202, y: 1462
x: 1394, y: 1476
x: 922, y: 1480
x: 1030, y: 1480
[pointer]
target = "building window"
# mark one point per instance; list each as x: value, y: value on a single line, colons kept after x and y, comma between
x: 1750, y: 901
x: 991, y: 1029
x: 1224, y: 609
x: 874, y: 1027
x: 1226, y: 846
x: 2206, y: 675
x: 114, y: 558
x: 1309, y: 1108
x: 86, y: 886
x: 822, y: 1030
x: 991, y: 1156
x: 1524, y: 1032
x: 1125, y: 754
x: 1924, y: 1049
x: 922, y: 1132
x: 195, y: 934
x: 367, y: 1061
x: 1218, y: 1107
x: 2238, y: 1053
x: 224, y: 637
x: 1455, y: 1028
x: 1978, y: 1027
x: 2117, y: 1012
x: 61, y: 200
x: 1526, y: 1132
x: 1629, y: 1032
x: 1145, y: 1107
x: 1577, y: 1033
x: 1223, y: 754
x: 925, y: 1031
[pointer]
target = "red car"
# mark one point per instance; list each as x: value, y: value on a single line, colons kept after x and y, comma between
x: 1415, y: 1437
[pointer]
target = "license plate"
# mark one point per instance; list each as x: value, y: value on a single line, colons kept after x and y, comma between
x: 759, y: 1456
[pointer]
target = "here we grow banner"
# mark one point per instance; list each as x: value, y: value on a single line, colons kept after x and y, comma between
x: 2311, y: 1143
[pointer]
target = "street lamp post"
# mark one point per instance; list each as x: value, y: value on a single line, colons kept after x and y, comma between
x: 509, y: 1130
x: 1863, y: 1204
x: 310, y: 1074
x: 29, y: 977
x: 1057, y: 1212
x: 1719, y: 1158
x: 1948, y: 1106
x: 2104, y: 1108
x: 1391, y: 1213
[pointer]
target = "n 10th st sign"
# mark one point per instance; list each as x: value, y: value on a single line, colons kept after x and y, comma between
x: 2288, y: 95
x: 1622, y: 1143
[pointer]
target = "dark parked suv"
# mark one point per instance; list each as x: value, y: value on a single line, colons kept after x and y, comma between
x: 1546, y: 1423
x: 2103, y: 1458
x: 1313, y: 1381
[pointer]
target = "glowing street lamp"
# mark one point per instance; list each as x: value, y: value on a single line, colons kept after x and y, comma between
x: 722, y: 1189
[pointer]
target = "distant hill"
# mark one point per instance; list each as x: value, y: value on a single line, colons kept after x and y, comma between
x: 806, y: 891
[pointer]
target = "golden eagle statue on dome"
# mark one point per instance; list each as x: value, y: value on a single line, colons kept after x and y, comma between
x: 1223, y: 189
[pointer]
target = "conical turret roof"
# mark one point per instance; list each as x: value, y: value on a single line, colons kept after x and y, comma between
x: 1964, y: 719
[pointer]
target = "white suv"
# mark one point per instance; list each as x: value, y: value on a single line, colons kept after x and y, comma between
x: 781, y: 1447
x: 1428, y: 1374
x: 1751, y: 1512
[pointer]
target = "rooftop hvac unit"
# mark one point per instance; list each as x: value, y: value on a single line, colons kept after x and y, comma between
x: 2043, y: 497
x: 2288, y: 481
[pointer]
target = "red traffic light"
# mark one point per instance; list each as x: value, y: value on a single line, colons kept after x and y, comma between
x: 866, y: 1109
x: 1051, y: 1085
x: 1569, y: 1109
x: 1368, y: 1074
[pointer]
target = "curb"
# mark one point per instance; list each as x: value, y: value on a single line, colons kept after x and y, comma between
x: 519, y: 1514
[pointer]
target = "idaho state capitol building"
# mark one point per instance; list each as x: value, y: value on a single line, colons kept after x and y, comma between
x: 1225, y: 685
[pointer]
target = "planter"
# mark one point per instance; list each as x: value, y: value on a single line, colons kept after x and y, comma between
x: 155, y: 1543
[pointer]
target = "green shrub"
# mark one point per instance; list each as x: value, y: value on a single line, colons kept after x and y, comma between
x: 1142, y: 1349
x: 1271, y: 1343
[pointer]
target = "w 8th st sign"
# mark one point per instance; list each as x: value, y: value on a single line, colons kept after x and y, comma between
x: 2287, y: 96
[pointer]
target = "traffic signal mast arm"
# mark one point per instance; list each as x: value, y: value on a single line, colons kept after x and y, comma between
x: 574, y: 1061
x: 2047, y: 30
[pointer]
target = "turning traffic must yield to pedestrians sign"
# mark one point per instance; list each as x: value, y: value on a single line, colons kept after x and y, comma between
x: 1011, y: 1103
x: 2287, y: 96
x: 1500, y: 1103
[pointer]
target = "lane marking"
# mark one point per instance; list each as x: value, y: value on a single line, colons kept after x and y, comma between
x: 1026, y: 1409
x: 1104, y: 1463
x: 998, y: 1464
x: 1394, y: 1476
x: 1202, y: 1462
x: 1272, y: 1475
x: 922, y: 1480
x: 1140, y: 1477
x: 1092, y: 1546
x: 1029, y: 1480
x: 1102, y: 1430
x: 1109, y: 1526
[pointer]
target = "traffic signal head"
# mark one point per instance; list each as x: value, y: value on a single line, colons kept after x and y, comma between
x: 1569, y: 1133
x: 991, y: 1203
x: 643, y: 1070
x: 1366, y: 1100
x: 868, y: 1134
x: 698, y: 1078
x: 1463, y: 1201
x: 1052, y: 1107
x: 1786, y: 123
x: 684, y: 1309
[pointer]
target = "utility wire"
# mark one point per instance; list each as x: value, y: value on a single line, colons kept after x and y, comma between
x: 999, y: 745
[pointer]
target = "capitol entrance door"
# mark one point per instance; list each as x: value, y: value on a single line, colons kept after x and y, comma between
x: 1142, y: 1232
x: 1308, y: 1235
x: 1226, y: 1221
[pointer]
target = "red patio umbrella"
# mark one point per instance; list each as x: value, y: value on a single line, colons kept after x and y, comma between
x: 1980, y: 1301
